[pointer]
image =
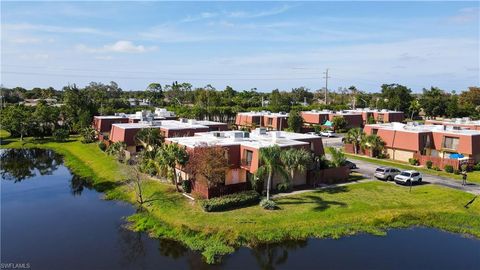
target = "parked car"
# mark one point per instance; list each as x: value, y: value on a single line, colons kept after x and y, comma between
x: 312, y: 133
x: 350, y: 165
x: 327, y: 133
x: 386, y: 173
x: 408, y: 177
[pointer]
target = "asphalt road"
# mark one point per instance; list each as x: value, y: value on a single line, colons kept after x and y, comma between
x: 368, y: 169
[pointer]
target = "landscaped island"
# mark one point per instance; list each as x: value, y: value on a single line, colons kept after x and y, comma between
x: 362, y: 207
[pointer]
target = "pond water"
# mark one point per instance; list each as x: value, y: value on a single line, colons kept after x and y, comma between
x: 51, y: 219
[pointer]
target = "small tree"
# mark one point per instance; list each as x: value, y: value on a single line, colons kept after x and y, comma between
x: 61, y: 135
x: 355, y: 136
x: 117, y: 149
x: 296, y: 160
x: 271, y: 164
x: 136, y: 182
x: 209, y: 164
x: 168, y: 156
x: 338, y: 157
x: 88, y: 134
x: 149, y: 138
x: 339, y: 123
x: 295, y: 121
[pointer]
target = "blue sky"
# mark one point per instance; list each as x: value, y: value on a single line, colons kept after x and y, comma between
x: 263, y: 45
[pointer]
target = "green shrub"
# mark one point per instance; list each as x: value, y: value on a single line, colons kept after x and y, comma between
x: 429, y: 164
x: 448, y: 168
x: 436, y: 168
x: 61, y: 135
x: 232, y: 201
x: 187, y: 186
x: 102, y: 146
x: 476, y: 167
x: 413, y: 161
x: 268, y: 204
x: 456, y: 171
x: 284, y: 187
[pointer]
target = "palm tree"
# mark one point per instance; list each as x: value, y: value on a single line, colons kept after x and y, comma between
x: 338, y: 157
x: 117, y: 149
x: 168, y: 156
x: 414, y: 107
x: 374, y: 143
x: 149, y: 138
x: 296, y: 160
x: 354, y: 136
x: 270, y: 158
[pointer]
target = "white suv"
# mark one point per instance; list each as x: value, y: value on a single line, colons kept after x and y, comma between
x: 408, y: 177
x: 327, y: 133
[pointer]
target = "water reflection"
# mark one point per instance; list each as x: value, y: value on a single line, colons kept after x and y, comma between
x: 77, y: 185
x: 20, y: 164
x: 269, y: 256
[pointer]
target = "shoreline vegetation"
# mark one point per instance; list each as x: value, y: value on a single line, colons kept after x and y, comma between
x: 369, y: 207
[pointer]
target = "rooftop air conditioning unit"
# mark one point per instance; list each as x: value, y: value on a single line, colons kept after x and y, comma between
x: 262, y: 131
x: 217, y: 134
x: 192, y: 121
x: 246, y: 135
x: 183, y: 120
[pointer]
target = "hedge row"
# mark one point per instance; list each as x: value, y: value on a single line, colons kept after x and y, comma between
x: 232, y: 201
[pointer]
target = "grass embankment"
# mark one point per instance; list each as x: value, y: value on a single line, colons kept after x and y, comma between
x: 472, y: 176
x: 365, y: 207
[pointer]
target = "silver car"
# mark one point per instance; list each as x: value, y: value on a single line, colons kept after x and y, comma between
x: 386, y: 173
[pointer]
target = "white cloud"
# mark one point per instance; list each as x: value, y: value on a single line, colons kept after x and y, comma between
x: 466, y: 15
x: 202, y: 16
x: 121, y: 46
x: 258, y: 14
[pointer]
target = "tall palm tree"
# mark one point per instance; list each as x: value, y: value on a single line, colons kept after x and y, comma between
x: 168, y: 156
x: 270, y: 158
x: 296, y: 160
x: 414, y: 107
x: 374, y: 143
x: 354, y: 136
x: 149, y: 138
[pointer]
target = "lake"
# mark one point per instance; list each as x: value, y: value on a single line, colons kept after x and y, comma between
x: 51, y: 219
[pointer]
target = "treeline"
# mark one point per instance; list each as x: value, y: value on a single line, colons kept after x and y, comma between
x: 79, y: 105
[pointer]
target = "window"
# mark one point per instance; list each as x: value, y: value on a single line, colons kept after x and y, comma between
x: 248, y: 157
x: 380, y: 117
x: 450, y: 143
x: 415, y: 174
x: 269, y: 121
x: 375, y: 131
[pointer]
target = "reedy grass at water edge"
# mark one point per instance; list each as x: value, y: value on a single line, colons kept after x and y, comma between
x: 370, y: 207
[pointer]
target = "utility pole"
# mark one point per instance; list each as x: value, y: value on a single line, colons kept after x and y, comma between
x: 326, y: 86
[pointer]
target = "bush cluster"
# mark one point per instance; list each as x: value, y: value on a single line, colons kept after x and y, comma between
x: 476, y: 167
x: 413, y: 161
x: 448, y: 168
x: 429, y: 164
x: 268, y: 204
x: 232, y: 201
x: 436, y: 168
x: 60, y: 134
x: 102, y: 146
x: 284, y: 187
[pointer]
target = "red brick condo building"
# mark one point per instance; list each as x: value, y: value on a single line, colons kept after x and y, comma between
x: 428, y: 142
x: 125, y: 132
x: 458, y: 123
x: 103, y: 124
x: 379, y: 116
x: 271, y: 121
x: 315, y: 117
x: 243, y: 153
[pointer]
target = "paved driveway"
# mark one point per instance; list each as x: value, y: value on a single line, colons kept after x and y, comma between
x: 368, y: 169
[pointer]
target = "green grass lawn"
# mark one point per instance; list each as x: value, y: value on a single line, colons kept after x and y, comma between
x: 472, y: 176
x: 365, y: 207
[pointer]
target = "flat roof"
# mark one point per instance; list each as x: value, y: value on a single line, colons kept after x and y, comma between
x: 111, y: 116
x: 361, y: 110
x: 410, y: 127
x: 168, y: 124
x: 263, y: 113
x: 254, y: 140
